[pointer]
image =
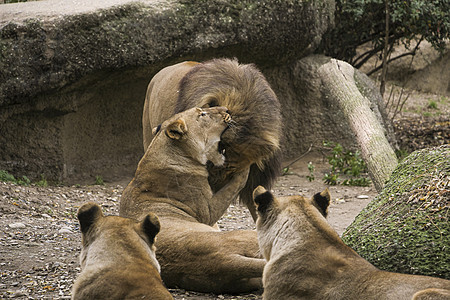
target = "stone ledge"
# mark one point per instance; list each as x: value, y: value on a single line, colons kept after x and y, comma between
x: 73, y: 74
x: 49, y: 44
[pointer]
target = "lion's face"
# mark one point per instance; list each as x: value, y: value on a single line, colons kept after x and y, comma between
x: 196, y: 132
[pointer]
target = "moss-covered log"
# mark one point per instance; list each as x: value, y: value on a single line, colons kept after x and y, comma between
x: 405, y: 228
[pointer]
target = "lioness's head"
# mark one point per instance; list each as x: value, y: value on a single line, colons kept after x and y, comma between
x: 196, y: 133
x: 104, y: 236
x: 275, y: 214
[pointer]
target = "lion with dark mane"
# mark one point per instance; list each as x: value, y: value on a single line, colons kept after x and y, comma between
x: 254, y: 139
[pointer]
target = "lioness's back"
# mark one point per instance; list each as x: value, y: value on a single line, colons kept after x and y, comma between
x: 118, y: 284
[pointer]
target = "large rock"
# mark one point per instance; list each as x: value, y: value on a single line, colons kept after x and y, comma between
x: 310, y: 117
x: 406, y: 227
x: 73, y: 75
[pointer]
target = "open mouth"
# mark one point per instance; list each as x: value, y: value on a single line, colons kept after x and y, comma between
x: 221, y: 148
x: 227, y: 118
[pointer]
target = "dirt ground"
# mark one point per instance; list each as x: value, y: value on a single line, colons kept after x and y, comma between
x: 40, y: 239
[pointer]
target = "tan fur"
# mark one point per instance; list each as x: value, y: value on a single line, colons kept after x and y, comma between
x: 172, y: 181
x: 306, y: 259
x: 118, y: 257
x: 254, y: 138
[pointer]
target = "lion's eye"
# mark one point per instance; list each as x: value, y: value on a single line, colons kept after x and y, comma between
x: 203, y: 114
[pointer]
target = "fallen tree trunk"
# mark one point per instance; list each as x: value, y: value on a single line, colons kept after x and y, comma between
x: 339, y: 86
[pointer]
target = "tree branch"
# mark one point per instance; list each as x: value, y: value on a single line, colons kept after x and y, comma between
x: 369, y: 54
x: 386, y: 51
x: 389, y: 61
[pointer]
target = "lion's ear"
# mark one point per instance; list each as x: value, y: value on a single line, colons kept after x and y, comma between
x: 262, y: 198
x: 150, y: 225
x: 322, y: 201
x: 88, y: 214
x: 176, y: 129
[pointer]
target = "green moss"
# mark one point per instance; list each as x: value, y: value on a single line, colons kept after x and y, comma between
x: 405, y: 228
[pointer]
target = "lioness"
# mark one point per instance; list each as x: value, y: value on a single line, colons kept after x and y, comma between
x: 172, y: 181
x: 118, y: 257
x: 306, y: 259
x: 254, y: 107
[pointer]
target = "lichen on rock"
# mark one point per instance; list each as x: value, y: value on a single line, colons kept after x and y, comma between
x: 406, y: 228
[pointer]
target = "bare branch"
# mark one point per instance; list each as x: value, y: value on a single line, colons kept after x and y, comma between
x: 389, y: 61
x: 368, y: 55
x: 386, y: 51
